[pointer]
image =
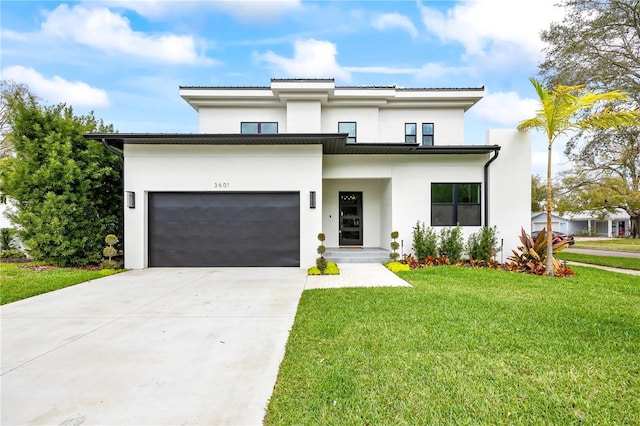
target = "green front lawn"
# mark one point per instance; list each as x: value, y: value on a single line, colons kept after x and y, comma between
x: 465, y: 346
x: 611, y: 261
x: 625, y: 244
x: 21, y: 280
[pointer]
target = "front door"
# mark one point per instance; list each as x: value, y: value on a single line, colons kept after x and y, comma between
x: 350, y: 218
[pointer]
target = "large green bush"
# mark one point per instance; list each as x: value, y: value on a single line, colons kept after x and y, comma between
x: 425, y: 241
x: 67, y: 190
x: 482, y: 245
x: 451, y: 243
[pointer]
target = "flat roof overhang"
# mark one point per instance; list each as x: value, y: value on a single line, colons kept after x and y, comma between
x: 332, y: 143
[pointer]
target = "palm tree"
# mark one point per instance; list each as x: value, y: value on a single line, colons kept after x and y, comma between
x: 568, y: 108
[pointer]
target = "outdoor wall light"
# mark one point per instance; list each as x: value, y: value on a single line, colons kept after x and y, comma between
x: 131, y: 199
x: 312, y: 199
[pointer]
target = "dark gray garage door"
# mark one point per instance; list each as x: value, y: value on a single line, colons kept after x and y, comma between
x: 224, y: 229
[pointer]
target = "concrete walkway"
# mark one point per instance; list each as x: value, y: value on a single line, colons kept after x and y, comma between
x: 606, y: 268
x: 357, y: 275
x: 601, y: 252
x: 151, y: 347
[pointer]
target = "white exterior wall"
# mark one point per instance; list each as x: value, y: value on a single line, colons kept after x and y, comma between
x: 366, y: 119
x: 510, y: 184
x: 193, y: 168
x: 228, y: 119
x: 448, y: 124
x: 303, y: 117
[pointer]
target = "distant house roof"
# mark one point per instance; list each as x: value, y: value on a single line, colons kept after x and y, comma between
x: 332, y: 143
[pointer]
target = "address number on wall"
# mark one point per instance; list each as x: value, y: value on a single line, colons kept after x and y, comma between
x: 221, y: 185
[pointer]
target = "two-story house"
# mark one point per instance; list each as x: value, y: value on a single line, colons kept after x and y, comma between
x: 274, y: 166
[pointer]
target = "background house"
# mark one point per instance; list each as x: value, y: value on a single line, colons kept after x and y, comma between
x: 617, y: 224
x: 274, y: 166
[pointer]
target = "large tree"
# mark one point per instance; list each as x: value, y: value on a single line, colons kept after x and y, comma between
x: 598, y: 44
x: 67, y: 190
x: 605, y: 180
x: 562, y: 110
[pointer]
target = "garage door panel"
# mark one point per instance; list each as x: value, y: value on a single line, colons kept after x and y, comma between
x: 224, y: 229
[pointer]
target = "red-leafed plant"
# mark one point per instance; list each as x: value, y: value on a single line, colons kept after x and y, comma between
x: 531, y: 256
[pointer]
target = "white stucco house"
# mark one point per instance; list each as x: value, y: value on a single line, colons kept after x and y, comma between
x: 273, y: 166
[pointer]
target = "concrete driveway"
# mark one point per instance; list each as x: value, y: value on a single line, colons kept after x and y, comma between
x: 150, y: 347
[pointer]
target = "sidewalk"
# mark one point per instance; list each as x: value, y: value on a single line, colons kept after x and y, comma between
x: 606, y: 268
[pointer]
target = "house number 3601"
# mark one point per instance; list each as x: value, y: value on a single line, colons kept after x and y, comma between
x: 221, y: 185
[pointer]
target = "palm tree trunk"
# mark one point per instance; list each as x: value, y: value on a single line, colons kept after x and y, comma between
x: 549, y: 259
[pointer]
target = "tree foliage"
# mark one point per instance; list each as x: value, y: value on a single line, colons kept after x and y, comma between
x: 572, y: 108
x: 8, y: 90
x: 603, y: 181
x: 538, y: 193
x: 598, y: 44
x: 67, y: 190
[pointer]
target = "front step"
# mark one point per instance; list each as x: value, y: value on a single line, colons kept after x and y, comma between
x: 357, y: 255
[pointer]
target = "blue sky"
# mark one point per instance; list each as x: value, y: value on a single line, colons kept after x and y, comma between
x: 125, y: 60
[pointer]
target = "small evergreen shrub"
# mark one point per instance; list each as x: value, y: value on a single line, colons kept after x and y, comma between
x: 481, y: 246
x: 12, y: 254
x: 109, y: 252
x: 394, y: 255
x: 451, y: 243
x: 321, y: 262
x: 425, y: 241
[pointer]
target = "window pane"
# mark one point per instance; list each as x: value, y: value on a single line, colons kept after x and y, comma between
x: 441, y: 193
x: 269, y: 128
x: 249, y: 128
x: 410, y: 129
x: 410, y: 139
x: 427, y: 140
x: 469, y: 193
x: 349, y: 128
x: 469, y: 214
x: 427, y: 129
x: 442, y: 215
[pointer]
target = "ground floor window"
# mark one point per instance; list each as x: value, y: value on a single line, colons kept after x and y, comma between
x: 455, y: 203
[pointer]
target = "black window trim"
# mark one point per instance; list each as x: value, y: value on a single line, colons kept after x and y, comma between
x: 354, y: 138
x: 432, y: 134
x: 455, y: 203
x: 414, y: 134
x: 259, y: 123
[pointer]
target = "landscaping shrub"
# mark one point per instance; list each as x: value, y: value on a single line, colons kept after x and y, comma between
x: 451, y: 243
x: 394, y: 255
x: 481, y: 246
x: 330, y: 269
x: 425, y: 241
x: 397, y: 267
x: 531, y: 256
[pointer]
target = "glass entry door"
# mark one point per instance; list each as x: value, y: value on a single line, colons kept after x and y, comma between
x: 350, y: 205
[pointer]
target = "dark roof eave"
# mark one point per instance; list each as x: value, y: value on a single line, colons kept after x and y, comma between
x: 332, y: 143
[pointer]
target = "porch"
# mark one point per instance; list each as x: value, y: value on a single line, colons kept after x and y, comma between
x: 357, y: 255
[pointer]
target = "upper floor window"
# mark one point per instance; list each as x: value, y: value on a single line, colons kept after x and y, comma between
x: 410, y: 132
x: 252, y: 127
x: 427, y: 134
x: 348, y: 127
x: 455, y: 203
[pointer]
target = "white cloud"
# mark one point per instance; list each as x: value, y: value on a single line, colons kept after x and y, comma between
x: 246, y: 11
x: 311, y: 59
x: 500, y: 30
x: 505, y: 108
x: 102, y: 29
x: 57, y: 89
x: 395, y: 20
